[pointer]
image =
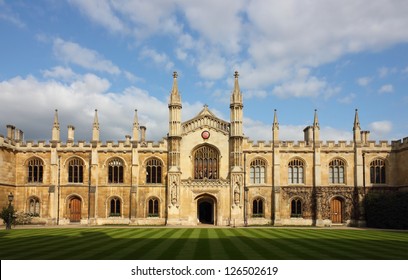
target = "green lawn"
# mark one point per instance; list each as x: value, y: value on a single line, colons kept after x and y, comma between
x: 202, y: 243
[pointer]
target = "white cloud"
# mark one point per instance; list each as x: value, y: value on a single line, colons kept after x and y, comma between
x: 71, y: 52
x: 160, y: 59
x: 29, y: 104
x: 380, y: 129
x: 302, y: 86
x: 386, y: 89
x: 264, y: 32
x: 64, y: 73
x: 12, y: 18
x: 364, y: 81
x: 100, y: 11
x: 385, y: 71
x: 347, y: 99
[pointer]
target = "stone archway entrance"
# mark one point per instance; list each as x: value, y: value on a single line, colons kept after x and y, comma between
x: 206, y: 208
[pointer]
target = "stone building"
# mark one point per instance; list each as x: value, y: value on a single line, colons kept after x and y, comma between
x: 204, y: 171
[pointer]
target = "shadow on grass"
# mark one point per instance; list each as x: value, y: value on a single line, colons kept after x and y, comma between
x: 195, y: 244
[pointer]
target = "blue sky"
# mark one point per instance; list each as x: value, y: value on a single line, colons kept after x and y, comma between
x: 117, y: 56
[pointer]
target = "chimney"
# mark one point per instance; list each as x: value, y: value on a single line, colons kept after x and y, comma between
x: 11, y: 131
x: 143, y: 134
x: 308, y: 131
x: 71, y: 133
x: 19, y: 135
x: 127, y: 141
x: 365, y: 135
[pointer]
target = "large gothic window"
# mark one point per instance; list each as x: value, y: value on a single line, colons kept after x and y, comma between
x: 377, y: 171
x: 115, y: 171
x: 206, y: 163
x: 295, y: 171
x: 257, y: 171
x: 76, y: 171
x: 153, y: 171
x: 35, y: 171
x: 336, y: 171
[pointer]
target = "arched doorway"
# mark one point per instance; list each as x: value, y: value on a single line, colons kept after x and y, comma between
x: 206, y: 208
x: 75, y: 209
x: 336, y: 208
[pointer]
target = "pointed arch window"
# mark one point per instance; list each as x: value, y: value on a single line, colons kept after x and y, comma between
x: 206, y: 163
x: 377, y: 171
x: 34, y: 206
x: 114, y: 207
x: 296, y: 208
x: 76, y: 171
x: 154, y: 171
x: 257, y: 171
x: 153, y: 207
x: 115, y: 171
x: 336, y: 172
x: 258, y: 208
x: 35, y: 171
x: 296, y: 171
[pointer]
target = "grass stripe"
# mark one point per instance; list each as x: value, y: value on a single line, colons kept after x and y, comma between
x: 230, y: 248
x: 202, y: 243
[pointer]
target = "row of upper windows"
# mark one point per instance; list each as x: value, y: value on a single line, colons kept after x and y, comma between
x: 336, y: 171
x: 207, y: 168
x: 115, y: 171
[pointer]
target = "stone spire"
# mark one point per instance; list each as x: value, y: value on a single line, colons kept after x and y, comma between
x: 135, y: 129
x: 95, y: 127
x: 236, y: 97
x: 275, y: 127
x: 55, y: 128
x: 356, y: 128
x: 175, y: 98
x: 316, y: 127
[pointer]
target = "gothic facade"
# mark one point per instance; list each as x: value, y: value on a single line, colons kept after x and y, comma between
x: 204, y: 172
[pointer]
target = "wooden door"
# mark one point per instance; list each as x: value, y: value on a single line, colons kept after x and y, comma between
x: 336, y: 210
x: 75, y: 210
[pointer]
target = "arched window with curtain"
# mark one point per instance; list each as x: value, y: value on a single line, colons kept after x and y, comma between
x: 296, y: 171
x: 206, y: 163
x: 34, y: 206
x: 76, y: 171
x: 35, y: 170
x: 377, y: 171
x: 153, y: 171
x: 257, y: 172
x: 258, y: 208
x: 296, y: 208
x: 115, y: 171
x: 153, y: 207
x: 114, y: 207
x: 336, y: 171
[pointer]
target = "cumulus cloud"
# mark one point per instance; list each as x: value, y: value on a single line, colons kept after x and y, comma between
x: 160, y: 59
x: 380, y: 128
x: 71, y: 52
x: 347, y: 99
x: 386, y: 89
x: 29, y: 104
x: 364, y: 81
x: 264, y: 32
x: 302, y: 86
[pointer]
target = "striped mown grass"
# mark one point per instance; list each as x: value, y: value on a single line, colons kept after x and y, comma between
x: 202, y: 243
